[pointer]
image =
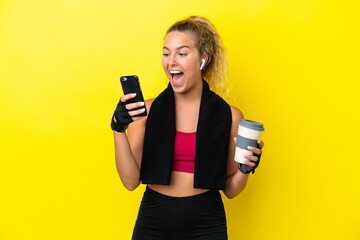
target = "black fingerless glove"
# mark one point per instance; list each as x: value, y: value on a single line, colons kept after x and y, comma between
x: 246, y: 169
x: 122, y: 116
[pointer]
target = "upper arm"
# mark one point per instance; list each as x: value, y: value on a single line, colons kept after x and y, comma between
x: 232, y: 166
x: 136, y: 134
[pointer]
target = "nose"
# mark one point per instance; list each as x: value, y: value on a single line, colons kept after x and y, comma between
x: 172, y: 60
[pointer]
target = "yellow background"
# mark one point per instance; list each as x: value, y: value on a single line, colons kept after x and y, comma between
x: 294, y: 66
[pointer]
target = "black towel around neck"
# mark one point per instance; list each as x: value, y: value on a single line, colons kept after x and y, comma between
x: 212, y: 140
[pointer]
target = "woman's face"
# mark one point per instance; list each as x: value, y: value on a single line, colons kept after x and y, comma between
x: 181, y: 61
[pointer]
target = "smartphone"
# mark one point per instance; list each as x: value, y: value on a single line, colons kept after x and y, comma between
x: 131, y: 84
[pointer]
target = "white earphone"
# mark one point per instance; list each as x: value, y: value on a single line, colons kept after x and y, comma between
x: 202, y: 64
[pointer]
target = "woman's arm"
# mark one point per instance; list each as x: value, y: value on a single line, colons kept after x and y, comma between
x: 235, y: 180
x: 128, y: 151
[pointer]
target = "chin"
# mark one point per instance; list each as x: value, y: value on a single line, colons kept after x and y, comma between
x: 178, y: 88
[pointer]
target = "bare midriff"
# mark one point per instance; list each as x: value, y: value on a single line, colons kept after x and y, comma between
x: 181, y: 185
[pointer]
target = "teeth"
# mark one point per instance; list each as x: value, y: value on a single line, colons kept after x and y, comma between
x: 175, y: 72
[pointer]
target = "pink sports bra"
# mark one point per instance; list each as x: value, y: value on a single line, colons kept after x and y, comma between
x: 184, y: 152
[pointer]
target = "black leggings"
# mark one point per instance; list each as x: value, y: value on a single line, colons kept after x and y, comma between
x: 198, y: 217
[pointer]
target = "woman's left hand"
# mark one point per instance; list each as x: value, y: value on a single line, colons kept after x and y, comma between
x: 253, y: 163
x: 253, y: 160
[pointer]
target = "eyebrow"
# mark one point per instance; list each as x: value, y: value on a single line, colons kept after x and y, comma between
x: 178, y: 48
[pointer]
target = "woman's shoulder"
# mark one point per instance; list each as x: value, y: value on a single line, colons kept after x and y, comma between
x: 237, y: 115
x: 148, y: 103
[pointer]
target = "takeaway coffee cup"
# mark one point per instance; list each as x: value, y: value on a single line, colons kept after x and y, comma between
x: 248, y: 134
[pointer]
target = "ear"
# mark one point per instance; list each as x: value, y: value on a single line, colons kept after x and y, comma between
x: 204, y: 55
x: 204, y: 61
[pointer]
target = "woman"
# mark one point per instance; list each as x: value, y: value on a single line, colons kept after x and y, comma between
x: 184, y: 149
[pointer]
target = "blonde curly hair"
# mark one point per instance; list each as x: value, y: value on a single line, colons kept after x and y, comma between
x: 208, y: 41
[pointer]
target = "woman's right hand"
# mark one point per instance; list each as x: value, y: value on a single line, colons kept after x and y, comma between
x: 124, y: 113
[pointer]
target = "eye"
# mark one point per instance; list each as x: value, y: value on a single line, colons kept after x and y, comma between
x: 182, y: 54
x: 165, y: 54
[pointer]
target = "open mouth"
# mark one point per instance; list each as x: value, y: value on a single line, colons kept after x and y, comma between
x: 176, y: 75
